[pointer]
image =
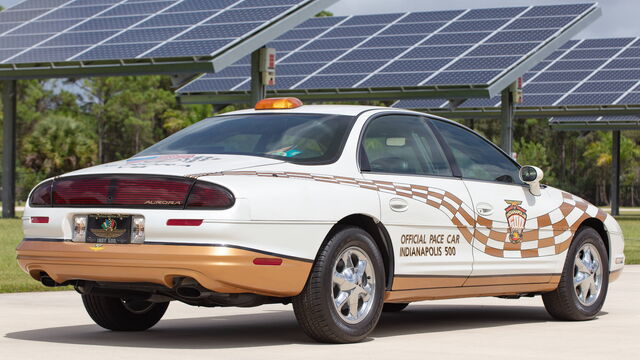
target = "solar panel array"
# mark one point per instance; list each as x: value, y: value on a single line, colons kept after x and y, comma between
x: 405, y: 49
x: 37, y: 31
x: 581, y: 72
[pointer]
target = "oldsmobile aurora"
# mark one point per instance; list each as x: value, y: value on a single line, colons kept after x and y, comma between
x: 344, y: 211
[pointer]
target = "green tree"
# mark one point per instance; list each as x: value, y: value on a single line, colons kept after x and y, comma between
x: 58, y: 144
x: 533, y: 153
x: 132, y: 112
x: 598, y: 153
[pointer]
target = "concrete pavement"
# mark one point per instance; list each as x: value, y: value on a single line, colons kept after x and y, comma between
x: 55, y: 326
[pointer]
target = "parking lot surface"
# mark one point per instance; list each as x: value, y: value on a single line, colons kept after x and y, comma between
x: 55, y: 326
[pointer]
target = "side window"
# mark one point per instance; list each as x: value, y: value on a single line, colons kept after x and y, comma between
x: 402, y: 144
x: 476, y: 157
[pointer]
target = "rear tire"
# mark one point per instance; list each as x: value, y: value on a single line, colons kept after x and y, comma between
x: 118, y: 314
x: 584, y: 280
x: 342, y: 300
x: 394, y: 307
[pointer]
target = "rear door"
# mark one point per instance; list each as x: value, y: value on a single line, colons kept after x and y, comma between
x: 422, y: 203
x: 512, y: 237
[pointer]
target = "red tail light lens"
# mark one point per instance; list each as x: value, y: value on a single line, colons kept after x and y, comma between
x: 209, y: 196
x: 164, y: 192
x: 39, y: 219
x: 137, y: 191
x: 184, y: 222
x: 82, y: 191
x: 41, y: 196
x: 122, y: 190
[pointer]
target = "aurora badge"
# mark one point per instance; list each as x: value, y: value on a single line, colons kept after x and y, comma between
x: 516, y: 218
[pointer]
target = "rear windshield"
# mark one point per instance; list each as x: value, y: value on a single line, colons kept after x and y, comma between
x: 297, y: 138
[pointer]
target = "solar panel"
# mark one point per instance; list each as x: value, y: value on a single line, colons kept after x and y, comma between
x: 585, y: 72
x: 37, y: 32
x: 475, y: 48
x: 627, y: 122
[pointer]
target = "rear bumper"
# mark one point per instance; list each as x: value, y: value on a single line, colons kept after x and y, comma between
x: 218, y: 268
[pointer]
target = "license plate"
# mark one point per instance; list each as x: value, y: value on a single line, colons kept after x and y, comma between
x: 114, y: 229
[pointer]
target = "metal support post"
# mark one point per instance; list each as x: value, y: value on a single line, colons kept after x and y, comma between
x: 615, y: 176
x: 9, y: 101
x: 258, y: 88
x: 508, y: 113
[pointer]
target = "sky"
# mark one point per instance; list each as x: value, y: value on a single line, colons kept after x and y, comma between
x: 619, y: 19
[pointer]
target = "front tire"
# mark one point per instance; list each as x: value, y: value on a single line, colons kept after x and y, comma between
x: 584, y: 281
x: 342, y: 300
x: 118, y: 314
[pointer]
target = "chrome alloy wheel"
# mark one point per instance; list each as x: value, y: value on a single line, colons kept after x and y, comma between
x: 353, y: 285
x: 587, y: 274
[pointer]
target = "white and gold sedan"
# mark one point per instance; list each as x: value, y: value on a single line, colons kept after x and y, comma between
x: 344, y: 211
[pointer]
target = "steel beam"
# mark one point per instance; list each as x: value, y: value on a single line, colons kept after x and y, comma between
x: 541, y: 112
x: 390, y: 94
x: 123, y: 68
x: 508, y: 113
x: 9, y: 101
x: 615, y: 175
x: 258, y: 88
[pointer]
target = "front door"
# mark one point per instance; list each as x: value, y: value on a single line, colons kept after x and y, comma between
x: 513, y: 240
x: 426, y: 210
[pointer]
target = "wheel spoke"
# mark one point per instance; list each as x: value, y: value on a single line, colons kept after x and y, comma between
x: 592, y: 286
x: 582, y: 267
x: 580, y: 277
x: 346, y: 258
x: 353, y: 305
x: 366, y: 292
x: 360, y: 269
x: 584, y: 287
x: 587, y: 258
x: 341, y: 299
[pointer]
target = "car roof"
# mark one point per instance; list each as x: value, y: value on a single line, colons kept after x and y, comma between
x: 349, y: 110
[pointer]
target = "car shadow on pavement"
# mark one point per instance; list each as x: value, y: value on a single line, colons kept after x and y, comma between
x: 441, y: 318
x: 270, y: 328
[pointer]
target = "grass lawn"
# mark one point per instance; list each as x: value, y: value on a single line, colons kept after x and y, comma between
x: 12, y: 279
x: 631, y: 229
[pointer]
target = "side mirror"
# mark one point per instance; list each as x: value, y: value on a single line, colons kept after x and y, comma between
x: 532, y: 175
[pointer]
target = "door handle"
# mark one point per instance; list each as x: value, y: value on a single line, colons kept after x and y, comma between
x: 398, y: 205
x: 484, y: 209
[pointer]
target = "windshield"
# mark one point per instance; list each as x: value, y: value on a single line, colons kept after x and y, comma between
x: 298, y: 138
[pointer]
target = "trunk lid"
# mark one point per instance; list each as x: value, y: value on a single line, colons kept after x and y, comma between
x: 178, y: 165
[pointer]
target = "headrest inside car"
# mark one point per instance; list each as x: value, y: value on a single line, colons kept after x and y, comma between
x: 396, y: 141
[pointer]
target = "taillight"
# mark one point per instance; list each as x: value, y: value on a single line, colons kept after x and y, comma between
x: 81, y: 191
x: 132, y: 191
x: 209, y: 196
x: 122, y: 191
x: 79, y: 228
x: 184, y: 222
x: 41, y: 196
